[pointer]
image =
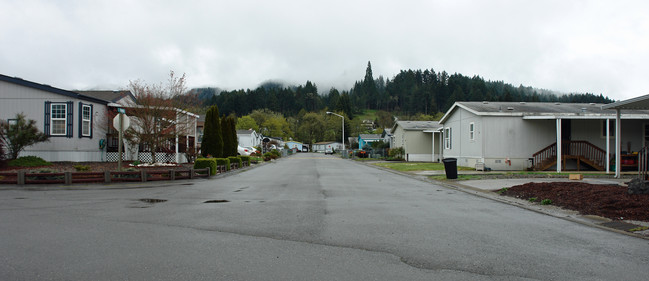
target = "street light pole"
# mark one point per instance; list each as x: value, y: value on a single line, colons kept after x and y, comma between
x: 329, y: 112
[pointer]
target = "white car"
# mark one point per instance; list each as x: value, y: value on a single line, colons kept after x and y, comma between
x: 244, y: 151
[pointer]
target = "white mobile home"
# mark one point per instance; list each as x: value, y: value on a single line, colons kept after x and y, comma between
x: 75, y: 123
x: 517, y: 136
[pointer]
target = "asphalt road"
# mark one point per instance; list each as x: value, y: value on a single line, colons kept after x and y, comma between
x: 305, y: 217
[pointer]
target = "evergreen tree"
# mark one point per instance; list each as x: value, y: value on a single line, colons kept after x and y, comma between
x: 229, y: 136
x: 212, y: 143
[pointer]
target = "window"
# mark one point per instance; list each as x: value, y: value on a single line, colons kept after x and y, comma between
x: 58, y: 119
x: 85, y: 120
x: 471, y: 131
x: 447, y: 138
x: 59, y: 113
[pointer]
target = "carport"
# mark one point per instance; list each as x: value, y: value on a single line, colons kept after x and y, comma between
x: 639, y: 103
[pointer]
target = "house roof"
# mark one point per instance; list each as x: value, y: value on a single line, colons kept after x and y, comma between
x: 541, y: 110
x: 48, y: 88
x: 245, y: 132
x: 110, y: 96
x: 641, y: 102
x: 369, y: 136
x: 417, y: 125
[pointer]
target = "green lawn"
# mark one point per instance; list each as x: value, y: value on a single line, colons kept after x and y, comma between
x: 407, y: 167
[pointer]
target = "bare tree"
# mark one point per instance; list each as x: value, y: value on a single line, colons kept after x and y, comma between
x: 156, y: 121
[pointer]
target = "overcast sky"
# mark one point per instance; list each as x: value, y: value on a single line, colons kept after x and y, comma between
x: 569, y: 46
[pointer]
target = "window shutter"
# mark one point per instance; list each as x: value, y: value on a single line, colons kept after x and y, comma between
x: 70, y: 119
x: 47, y: 118
x: 91, y: 119
x: 80, y: 120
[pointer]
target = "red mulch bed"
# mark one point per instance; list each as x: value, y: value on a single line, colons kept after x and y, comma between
x: 610, y: 201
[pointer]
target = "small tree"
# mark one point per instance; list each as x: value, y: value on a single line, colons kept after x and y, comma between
x: 19, y: 135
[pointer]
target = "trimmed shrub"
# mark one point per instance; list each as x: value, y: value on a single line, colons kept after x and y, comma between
x: 223, y: 162
x: 245, y: 159
x: 28, y: 161
x: 234, y: 159
x: 202, y: 163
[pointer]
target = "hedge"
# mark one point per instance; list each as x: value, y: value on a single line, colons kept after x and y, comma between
x: 202, y: 163
x: 245, y: 159
x: 235, y: 159
x: 223, y: 162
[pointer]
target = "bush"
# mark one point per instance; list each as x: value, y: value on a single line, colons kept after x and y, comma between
x: 245, y: 159
x: 276, y: 153
x: 223, y: 162
x: 234, y: 159
x: 202, y: 163
x: 546, y: 202
x: 81, y: 168
x: 28, y: 161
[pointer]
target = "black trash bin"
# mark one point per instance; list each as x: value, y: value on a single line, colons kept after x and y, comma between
x: 450, y: 166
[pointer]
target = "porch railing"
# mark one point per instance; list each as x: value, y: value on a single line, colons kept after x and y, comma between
x: 583, y: 151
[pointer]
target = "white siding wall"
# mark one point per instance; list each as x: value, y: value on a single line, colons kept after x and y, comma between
x: 18, y: 99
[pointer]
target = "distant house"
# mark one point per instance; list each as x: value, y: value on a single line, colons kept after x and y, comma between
x: 387, y: 136
x: 517, y: 136
x: 421, y: 140
x: 123, y: 98
x: 294, y: 145
x: 248, y: 138
x: 80, y: 123
x: 368, y: 139
x: 322, y: 146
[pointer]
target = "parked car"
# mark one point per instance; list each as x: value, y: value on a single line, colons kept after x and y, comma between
x: 244, y: 151
x: 252, y: 149
x: 329, y: 150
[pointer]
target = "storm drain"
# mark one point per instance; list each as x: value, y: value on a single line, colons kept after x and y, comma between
x: 619, y: 225
x: 216, y: 201
x: 152, y: 201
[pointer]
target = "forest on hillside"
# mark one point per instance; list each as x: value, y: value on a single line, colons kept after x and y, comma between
x: 409, y: 93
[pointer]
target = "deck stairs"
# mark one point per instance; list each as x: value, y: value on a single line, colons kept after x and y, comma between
x: 582, y: 151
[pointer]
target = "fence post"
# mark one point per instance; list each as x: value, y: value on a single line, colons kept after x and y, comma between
x: 106, y: 176
x: 172, y: 174
x: 68, y: 178
x: 143, y: 175
x: 209, y: 172
x: 20, y: 180
x: 191, y: 173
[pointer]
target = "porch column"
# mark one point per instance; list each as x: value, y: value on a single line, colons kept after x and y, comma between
x: 432, y: 155
x: 618, y: 143
x: 559, y: 145
x: 176, y: 139
x: 608, y: 146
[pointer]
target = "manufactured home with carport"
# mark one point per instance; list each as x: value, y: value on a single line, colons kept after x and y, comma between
x: 421, y: 140
x: 520, y: 135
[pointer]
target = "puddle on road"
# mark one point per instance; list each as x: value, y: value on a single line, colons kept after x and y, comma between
x: 152, y: 201
x: 216, y: 201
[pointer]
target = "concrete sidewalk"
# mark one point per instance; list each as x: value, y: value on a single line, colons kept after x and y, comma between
x: 495, y: 184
